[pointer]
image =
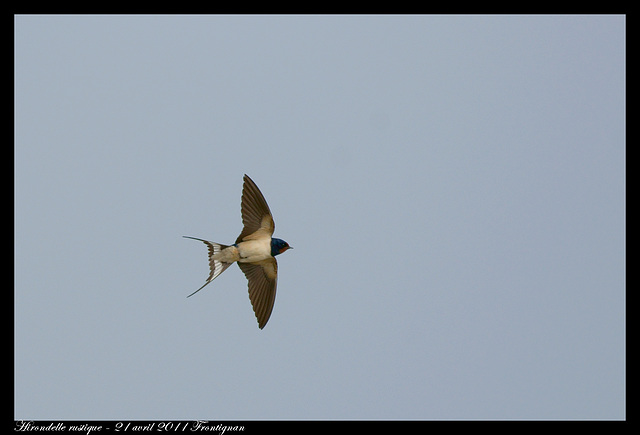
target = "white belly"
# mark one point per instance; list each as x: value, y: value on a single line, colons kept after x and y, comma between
x: 253, y: 251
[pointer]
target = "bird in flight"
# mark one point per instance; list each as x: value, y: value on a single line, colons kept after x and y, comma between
x: 254, y: 251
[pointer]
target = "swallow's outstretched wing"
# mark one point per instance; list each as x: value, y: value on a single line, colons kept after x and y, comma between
x: 263, y: 278
x: 256, y: 216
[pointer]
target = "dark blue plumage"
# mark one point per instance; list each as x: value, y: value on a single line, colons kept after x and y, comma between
x: 278, y: 246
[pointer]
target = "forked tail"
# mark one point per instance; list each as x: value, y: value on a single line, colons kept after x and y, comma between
x: 216, y: 266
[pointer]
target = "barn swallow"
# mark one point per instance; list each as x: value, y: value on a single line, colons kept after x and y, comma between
x: 254, y: 251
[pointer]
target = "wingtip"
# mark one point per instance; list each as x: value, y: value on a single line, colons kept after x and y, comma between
x: 248, y: 178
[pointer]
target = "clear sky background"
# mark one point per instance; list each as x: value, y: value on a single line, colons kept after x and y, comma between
x: 453, y: 186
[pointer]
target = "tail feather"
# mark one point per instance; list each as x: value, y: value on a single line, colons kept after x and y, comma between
x: 216, y: 267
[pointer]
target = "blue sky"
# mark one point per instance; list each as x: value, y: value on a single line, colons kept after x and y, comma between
x: 454, y: 188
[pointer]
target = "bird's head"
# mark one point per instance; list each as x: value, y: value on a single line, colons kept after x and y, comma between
x: 278, y: 246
